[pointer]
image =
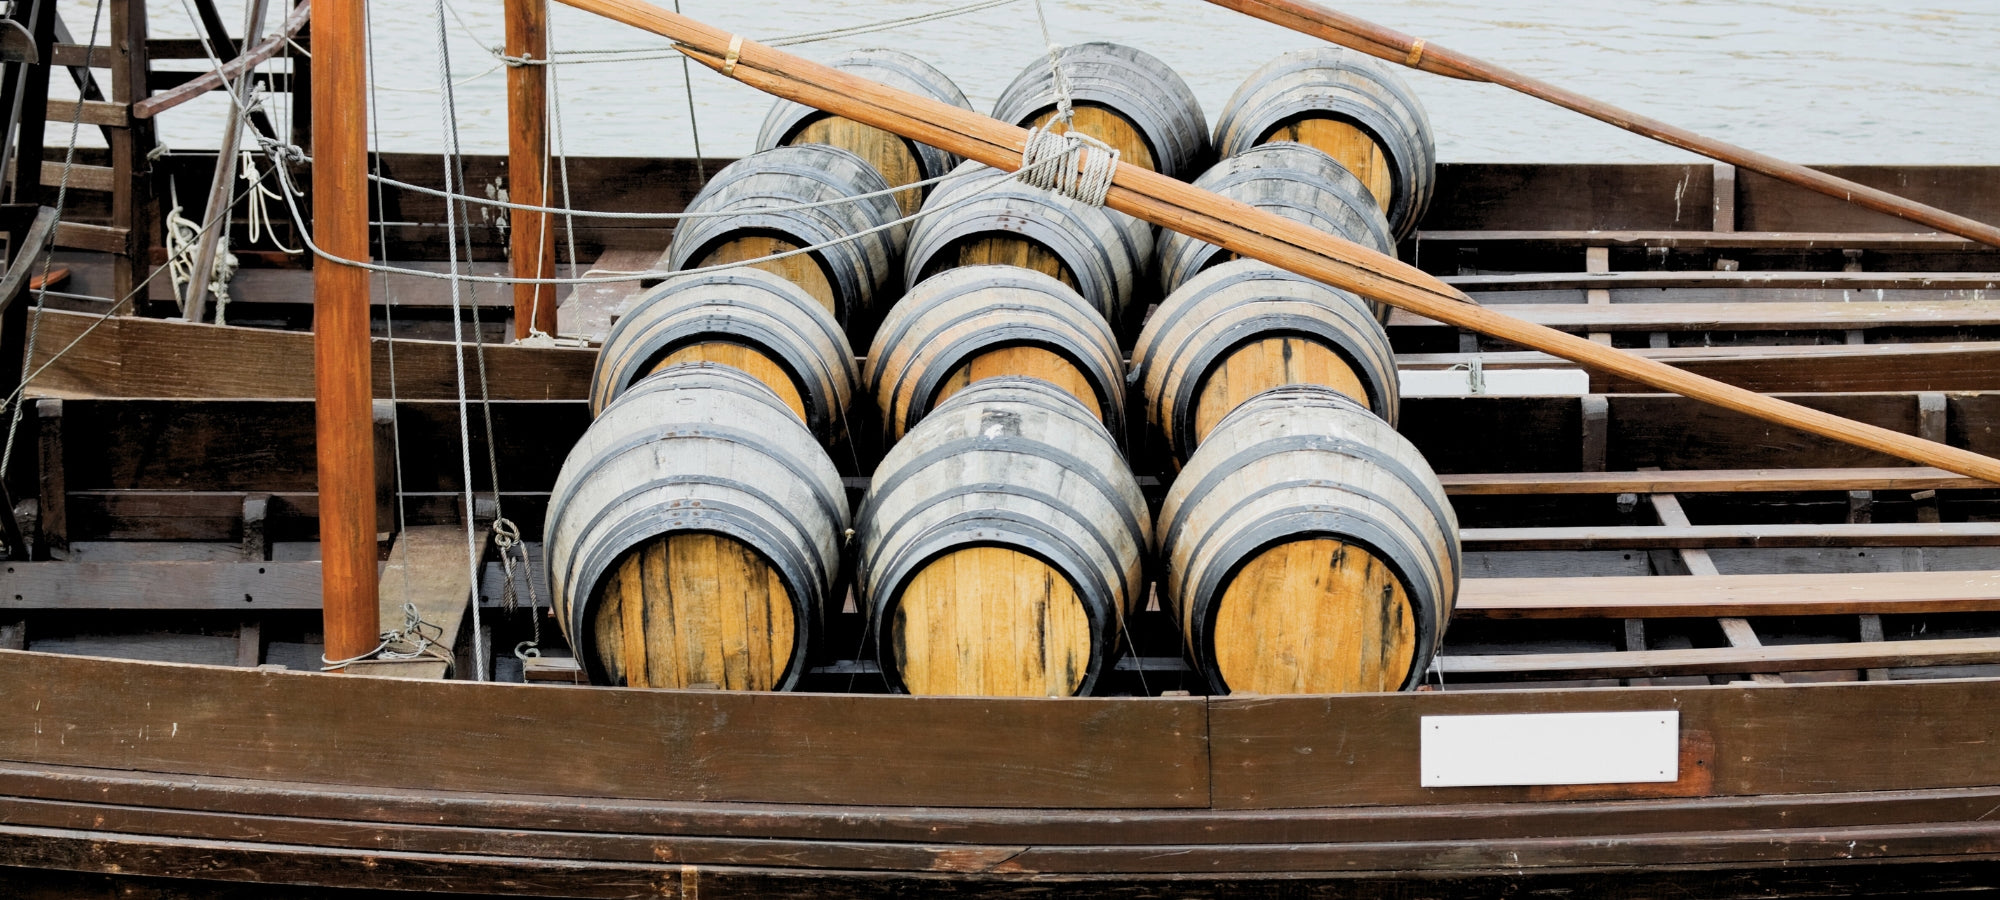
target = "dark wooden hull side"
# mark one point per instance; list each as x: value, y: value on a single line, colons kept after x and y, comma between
x: 144, y: 770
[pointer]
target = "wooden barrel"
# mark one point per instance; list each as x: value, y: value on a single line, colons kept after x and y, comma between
x: 985, y: 217
x: 999, y: 546
x: 964, y: 325
x: 742, y: 317
x: 694, y: 534
x: 751, y: 211
x: 900, y: 160
x: 1244, y: 327
x: 1351, y: 106
x: 1121, y: 96
x: 1292, y: 180
x: 1309, y: 549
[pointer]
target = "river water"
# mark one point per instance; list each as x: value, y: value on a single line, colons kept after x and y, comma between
x: 1827, y: 81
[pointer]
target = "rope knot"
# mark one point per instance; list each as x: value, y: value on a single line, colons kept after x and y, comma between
x: 1072, y: 164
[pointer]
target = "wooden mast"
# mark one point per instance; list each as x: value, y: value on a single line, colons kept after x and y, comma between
x: 532, y: 242
x: 1240, y: 228
x: 341, y: 357
x: 1367, y: 37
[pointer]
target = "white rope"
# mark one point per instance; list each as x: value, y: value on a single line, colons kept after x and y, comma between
x: 652, y: 216
x: 1064, y: 113
x: 1073, y: 164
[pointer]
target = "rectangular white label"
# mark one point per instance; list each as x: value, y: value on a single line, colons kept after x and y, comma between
x: 1551, y: 748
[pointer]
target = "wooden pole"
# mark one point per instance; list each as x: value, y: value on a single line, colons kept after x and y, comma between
x: 1240, y: 228
x: 221, y: 189
x: 1318, y: 21
x: 532, y: 242
x: 341, y: 354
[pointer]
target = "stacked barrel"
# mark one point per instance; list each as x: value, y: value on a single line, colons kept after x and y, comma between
x: 699, y: 534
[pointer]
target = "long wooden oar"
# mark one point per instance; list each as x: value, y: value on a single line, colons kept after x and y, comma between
x: 1238, y: 227
x: 1340, y: 28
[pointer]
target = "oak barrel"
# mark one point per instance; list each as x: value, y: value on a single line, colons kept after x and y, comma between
x: 694, y: 534
x: 1351, y: 106
x: 900, y: 160
x: 1291, y: 180
x: 1120, y: 95
x: 982, y: 216
x: 999, y: 546
x: 742, y: 317
x: 1309, y: 548
x: 1244, y: 327
x: 751, y: 209
x: 963, y: 325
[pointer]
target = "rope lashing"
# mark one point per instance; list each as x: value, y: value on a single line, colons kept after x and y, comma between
x: 1071, y: 163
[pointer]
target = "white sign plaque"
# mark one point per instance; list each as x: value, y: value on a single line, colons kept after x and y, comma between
x: 1551, y: 748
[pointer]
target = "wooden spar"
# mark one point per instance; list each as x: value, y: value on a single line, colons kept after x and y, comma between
x: 220, y: 189
x: 1239, y: 228
x: 1318, y: 21
x: 341, y: 354
x: 532, y: 242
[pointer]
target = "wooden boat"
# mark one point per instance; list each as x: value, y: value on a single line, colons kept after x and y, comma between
x: 1827, y: 636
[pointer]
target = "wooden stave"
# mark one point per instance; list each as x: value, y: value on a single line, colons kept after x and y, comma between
x: 862, y: 269
x: 1107, y: 252
x: 1353, y: 87
x: 1292, y: 180
x: 745, y: 305
x: 1226, y: 507
x: 1022, y: 307
x: 794, y: 516
x: 1227, y: 306
x: 901, y: 525
x: 892, y: 67
x: 1131, y: 82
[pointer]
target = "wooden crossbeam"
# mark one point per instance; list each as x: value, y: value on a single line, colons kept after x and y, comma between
x: 175, y: 585
x: 1701, y: 596
x: 1766, y: 316
x: 1717, y: 537
x: 1709, y: 481
x: 1727, y: 660
x: 1709, y: 240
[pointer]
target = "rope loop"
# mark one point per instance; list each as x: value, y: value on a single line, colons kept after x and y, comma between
x: 1071, y: 163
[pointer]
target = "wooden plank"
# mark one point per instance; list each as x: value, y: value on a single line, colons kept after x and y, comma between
x: 1954, y: 366
x: 1689, y: 538
x: 81, y: 177
x: 646, y: 744
x: 1838, y: 281
x: 251, y: 797
x: 1299, y: 752
x: 101, y: 113
x: 1766, y: 204
x: 52, y: 503
x: 1909, y: 478
x: 143, y: 357
x: 1751, y: 658
x: 1773, y: 316
x: 1708, y: 240
x: 427, y: 568
x: 1737, y: 631
x: 176, y: 585
x: 1789, y: 594
x: 82, y: 236
x: 1572, y: 197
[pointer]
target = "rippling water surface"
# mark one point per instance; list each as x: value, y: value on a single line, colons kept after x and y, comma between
x: 1823, y: 82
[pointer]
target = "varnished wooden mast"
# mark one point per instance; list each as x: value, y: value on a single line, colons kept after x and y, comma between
x: 1358, y: 34
x: 340, y: 329
x: 1240, y: 228
x: 531, y: 239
